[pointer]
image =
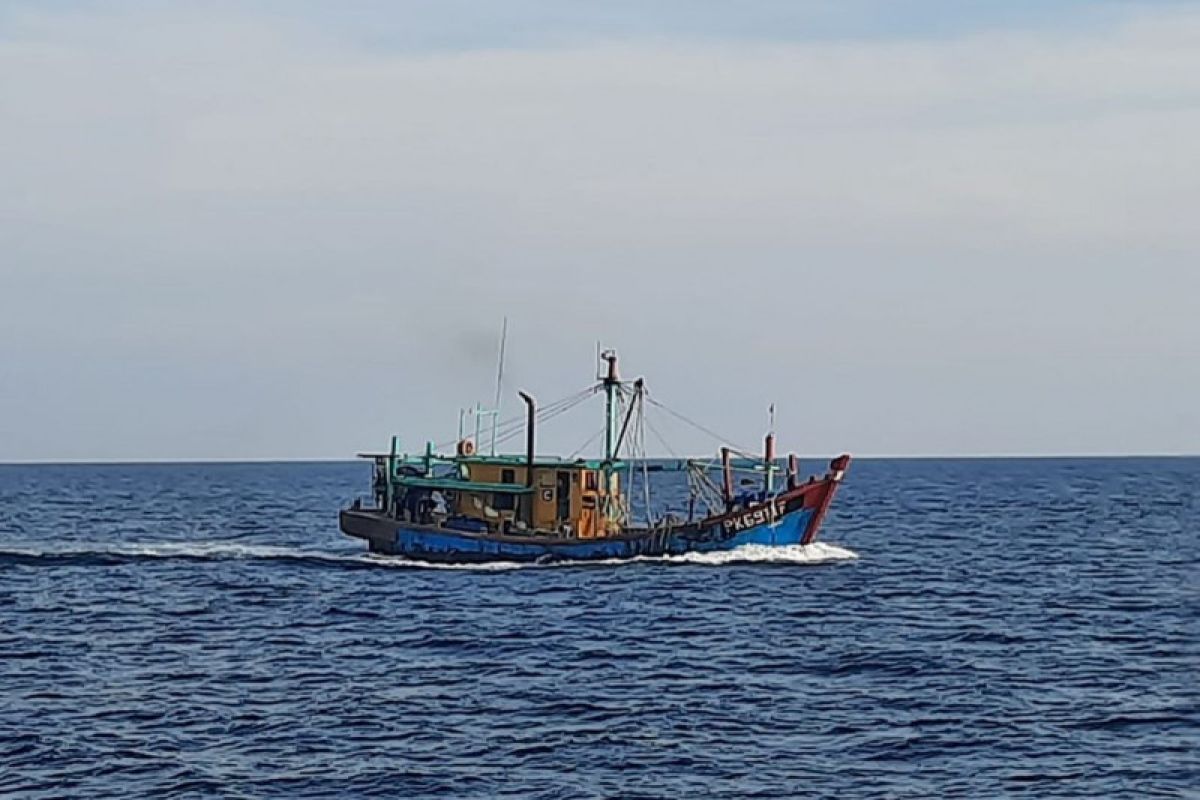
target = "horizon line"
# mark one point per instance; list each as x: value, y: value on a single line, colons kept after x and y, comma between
x: 326, y: 460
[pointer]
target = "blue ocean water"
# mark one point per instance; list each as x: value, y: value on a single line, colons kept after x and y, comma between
x: 1020, y: 628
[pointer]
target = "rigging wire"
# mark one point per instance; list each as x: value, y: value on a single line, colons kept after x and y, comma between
x: 591, y: 440
x: 693, y: 423
x: 641, y: 423
x: 543, y: 418
x: 711, y: 463
x: 506, y: 428
x: 703, y: 487
x: 661, y: 440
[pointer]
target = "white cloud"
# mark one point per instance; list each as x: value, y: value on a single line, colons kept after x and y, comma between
x: 959, y: 226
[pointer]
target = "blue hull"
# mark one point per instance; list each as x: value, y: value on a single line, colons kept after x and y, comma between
x: 429, y: 543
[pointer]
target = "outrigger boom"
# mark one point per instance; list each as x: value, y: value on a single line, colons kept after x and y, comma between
x: 467, y: 507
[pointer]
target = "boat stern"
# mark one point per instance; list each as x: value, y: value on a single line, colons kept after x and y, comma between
x: 374, y: 527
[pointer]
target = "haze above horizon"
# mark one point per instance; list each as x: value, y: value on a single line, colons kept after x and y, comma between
x: 285, y: 230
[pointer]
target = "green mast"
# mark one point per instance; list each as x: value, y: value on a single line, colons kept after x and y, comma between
x: 612, y: 385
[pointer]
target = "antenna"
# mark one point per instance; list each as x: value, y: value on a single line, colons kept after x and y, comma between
x: 500, y: 366
x: 499, y: 382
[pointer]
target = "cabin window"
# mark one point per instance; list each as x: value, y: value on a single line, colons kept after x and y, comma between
x: 562, y: 509
x: 590, y: 482
x: 508, y: 476
x: 504, y: 502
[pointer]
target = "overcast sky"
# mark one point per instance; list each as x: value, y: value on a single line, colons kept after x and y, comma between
x: 289, y: 229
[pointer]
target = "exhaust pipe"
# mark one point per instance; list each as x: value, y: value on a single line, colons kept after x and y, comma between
x: 529, y: 437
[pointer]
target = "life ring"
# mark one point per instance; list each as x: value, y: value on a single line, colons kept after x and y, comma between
x: 466, y: 447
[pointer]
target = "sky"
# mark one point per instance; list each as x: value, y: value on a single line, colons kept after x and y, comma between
x: 271, y: 229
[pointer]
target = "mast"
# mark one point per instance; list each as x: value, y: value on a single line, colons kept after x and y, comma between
x: 611, y: 385
x: 499, y: 384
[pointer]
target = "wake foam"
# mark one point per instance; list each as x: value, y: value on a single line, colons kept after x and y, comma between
x: 816, y: 553
x: 195, y: 551
x: 811, y: 554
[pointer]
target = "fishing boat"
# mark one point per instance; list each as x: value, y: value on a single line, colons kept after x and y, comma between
x: 470, y: 507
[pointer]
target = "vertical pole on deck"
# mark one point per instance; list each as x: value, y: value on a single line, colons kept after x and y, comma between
x: 769, y: 461
x: 727, y: 482
x: 391, y: 470
x: 793, y: 471
x: 478, y: 417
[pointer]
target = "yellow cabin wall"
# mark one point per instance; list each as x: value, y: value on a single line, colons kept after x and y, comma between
x: 585, y: 521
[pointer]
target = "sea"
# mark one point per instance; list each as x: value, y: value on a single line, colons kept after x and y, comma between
x: 975, y: 628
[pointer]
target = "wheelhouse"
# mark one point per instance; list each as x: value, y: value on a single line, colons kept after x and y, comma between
x: 501, y: 493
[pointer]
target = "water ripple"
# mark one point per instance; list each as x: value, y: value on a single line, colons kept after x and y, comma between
x: 970, y: 629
